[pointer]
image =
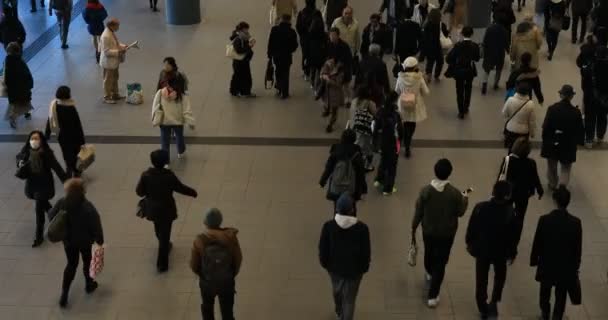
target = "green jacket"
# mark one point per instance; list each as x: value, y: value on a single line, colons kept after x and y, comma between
x: 438, y: 208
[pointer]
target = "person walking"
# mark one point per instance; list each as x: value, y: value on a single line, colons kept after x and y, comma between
x: 554, y: 16
x: 282, y: 43
x: 318, y: 42
x: 216, y: 259
x: 349, y: 32
x: 438, y: 208
x: 339, y: 49
x: 528, y: 75
x: 408, y: 41
x: 527, y: 39
x: 562, y: 132
x: 94, y: 15
x: 64, y: 121
x: 83, y: 229
x: 284, y: 7
x: 332, y: 79
x: 171, y: 71
x: 11, y: 29
x: 362, y: 114
x: 344, y: 154
x: 112, y: 54
x: 156, y: 186
x: 171, y: 111
x: 495, y: 47
x: 373, y: 74
x: 599, y: 16
x: 490, y: 239
x: 580, y: 12
x: 503, y: 14
x: 421, y: 11
x: 522, y: 173
x: 556, y: 254
x: 600, y: 85
x: 303, y: 27
x: 38, y: 162
x: 595, y: 118
x: 411, y: 81
x: 396, y: 10
x: 19, y: 83
x: 378, y: 33
x: 33, y: 5
x: 388, y: 128
x: 345, y: 253
x: 63, y: 12
x: 461, y: 60
x: 241, y: 82
x: 520, y: 115
x: 154, y: 5
x: 333, y: 10
x: 431, y: 49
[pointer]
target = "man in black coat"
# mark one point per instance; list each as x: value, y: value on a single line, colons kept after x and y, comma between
x: 556, y: 252
x: 345, y: 252
x: 495, y: 47
x: 562, y: 133
x: 580, y: 11
x: 600, y: 86
x: 396, y: 10
x: 303, y: 23
x: 490, y: 239
x: 333, y: 10
x: 375, y: 32
x: 373, y: 73
x: 409, y: 39
x: 461, y: 60
x: 339, y: 49
x: 282, y: 43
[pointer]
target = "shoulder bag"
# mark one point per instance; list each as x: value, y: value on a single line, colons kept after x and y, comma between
x: 506, y: 132
x: 158, y: 116
x: 504, y: 169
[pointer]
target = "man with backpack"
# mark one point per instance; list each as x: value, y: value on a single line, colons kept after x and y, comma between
x: 216, y: 258
x: 63, y: 12
x: 345, y: 252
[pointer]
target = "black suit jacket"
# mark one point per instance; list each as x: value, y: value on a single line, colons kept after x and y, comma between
x: 409, y: 39
x: 462, y: 59
x: 282, y: 43
x: 563, y: 131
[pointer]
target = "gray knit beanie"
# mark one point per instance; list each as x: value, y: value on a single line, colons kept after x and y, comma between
x: 214, y: 218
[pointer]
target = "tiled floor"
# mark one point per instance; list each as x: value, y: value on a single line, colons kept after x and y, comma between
x: 268, y: 192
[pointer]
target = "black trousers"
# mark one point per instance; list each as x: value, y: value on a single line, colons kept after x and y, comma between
x: 521, y: 207
x: 464, y: 86
x: 282, y: 77
x: 436, y: 255
x: 305, y: 56
x: 153, y: 3
x: 575, y: 20
x: 434, y: 61
x: 33, y: 3
x: 387, y: 170
x: 70, y: 157
x: 482, y: 270
x: 552, y: 37
x: 596, y: 119
x: 409, y: 128
x: 545, y: 301
x: 63, y: 22
x: 241, y: 81
x: 71, y: 254
x: 41, y: 207
x: 162, y: 229
x: 226, y: 299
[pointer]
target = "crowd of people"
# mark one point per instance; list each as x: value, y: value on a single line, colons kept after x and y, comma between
x: 345, y: 67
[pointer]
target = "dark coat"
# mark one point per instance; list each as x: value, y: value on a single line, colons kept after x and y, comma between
x: 94, y: 15
x: 462, y: 59
x: 12, y: 30
x: 70, y: 127
x: 382, y: 37
x: 562, y: 132
x: 492, y: 231
x: 523, y: 176
x: 409, y: 39
x: 333, y: 10
x: 581, y: 7
x: 431, y: 46
x: 282, y: 43
x: 318, y: 42
x: 345, y: 252
x: 340, y: 152
x: 241, y: 46
x: 505, y: 16
x: 18, y: 80
x: 342, y: 52
x: 401, y: 9
x: 600, y: 71
x: 388, y: 122
x: 557, y: 248
x: 373, y: 73
x: 157, y: 187
x: 600, y: 17
x: 83, y: 224
x: 303, y: 22
x: 42, y: 186
x: 495, y: 46
x: 585, y: 61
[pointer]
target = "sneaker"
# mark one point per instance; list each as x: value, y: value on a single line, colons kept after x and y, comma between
x: 109, y: 101
x: 65, y: 46
x: 484, y: 88
x: 377, y: 184
x: 251, y: 95
x: 432, y: 303
x: 386, y: 194
x: 118, y: 97
x: 167, y: 166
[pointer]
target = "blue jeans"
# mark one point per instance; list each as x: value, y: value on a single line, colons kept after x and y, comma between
x: 165, y: 138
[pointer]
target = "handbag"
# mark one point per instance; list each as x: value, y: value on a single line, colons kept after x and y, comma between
x: 504, y: 169
x: 23, y: 171
x: 135, y: 94
x: 412, y: 253
x: 86, y: 157
x: 269, y: 77
x: 57, y: 229
x: 556, y: 23
x: 232, y: 54
x: 158, y: 116
x: 141, y: 208
x: 446, y: 42
x: 407, y: 101
x: 97, y: 259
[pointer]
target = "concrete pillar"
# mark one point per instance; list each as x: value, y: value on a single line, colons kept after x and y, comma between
x: 183, y: 12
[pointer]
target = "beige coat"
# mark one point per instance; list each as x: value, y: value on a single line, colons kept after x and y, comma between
x: 524, y: 122
x: 412, y: 82
x: 528, y: 41
x: 109, y: 47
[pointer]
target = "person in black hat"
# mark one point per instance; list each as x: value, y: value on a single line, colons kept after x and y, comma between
x: 344, y: 251
x: 562, y: 132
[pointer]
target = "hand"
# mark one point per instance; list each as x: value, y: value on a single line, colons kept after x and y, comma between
x: 191, y: 126
x: 322, y: 185
x: 20, y: 164
x: 252, y: 42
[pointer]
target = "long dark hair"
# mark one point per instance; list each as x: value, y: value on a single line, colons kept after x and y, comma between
x: 44, y: 144
x: 171, y: 61
x: 177, y: 84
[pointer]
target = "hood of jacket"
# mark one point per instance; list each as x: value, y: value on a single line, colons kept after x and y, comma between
x: 410, y: 78
x: 439, y: 185
x: 224, y: 235
x: 345, y: 222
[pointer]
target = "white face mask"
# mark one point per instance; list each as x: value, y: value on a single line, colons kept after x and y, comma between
x: 35, y: 144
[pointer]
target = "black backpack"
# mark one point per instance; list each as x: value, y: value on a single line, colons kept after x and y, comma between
x: 217, y: 266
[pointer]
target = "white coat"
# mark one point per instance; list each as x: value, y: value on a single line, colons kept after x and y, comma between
x: 109, y: 48
x: 524, y: 122
x: 412, y: 82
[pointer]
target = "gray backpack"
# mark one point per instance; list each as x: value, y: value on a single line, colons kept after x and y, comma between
x: 343, y: 177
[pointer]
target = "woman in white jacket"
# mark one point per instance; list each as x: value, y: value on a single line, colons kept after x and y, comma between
x: 411, y: 80
x: 171, y: 110
x: 519, y: 110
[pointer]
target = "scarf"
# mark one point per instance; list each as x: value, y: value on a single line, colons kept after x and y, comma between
x: 245, y: 36
x: 35, y: 160
x: 53, y: 121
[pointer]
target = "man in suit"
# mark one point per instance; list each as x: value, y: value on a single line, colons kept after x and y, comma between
x: 282, y: 43
x: 556, y: 252
x: 375, y: 32
x: 495, y: 48
x: 462, y: 68
x: 373, y: 74
x: 562, y: 133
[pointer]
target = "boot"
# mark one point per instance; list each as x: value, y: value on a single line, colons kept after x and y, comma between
x: 63, y: 301
x: 91, y: 287
x: 484, y: 88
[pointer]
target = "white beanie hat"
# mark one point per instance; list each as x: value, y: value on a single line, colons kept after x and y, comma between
x: 410, y: 62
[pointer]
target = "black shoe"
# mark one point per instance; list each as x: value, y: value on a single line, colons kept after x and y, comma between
x: 64, y: 46
x: 155, y: 9
x: 170, y: 246
x: 329, y: 129
x: 496, y: 87
x: 284, y: 96
x: 493, y: 309
x: 63, y: 301
x: 37, y: 242
x: 461, y: 116
x: 408, y: 153
x: 573, y: 40
x: 325, y: 114
x: 41, y: 3
x: 33, y: 10
x: 28, y: 116
x: 162, y: 269
x: 484, y: 88
x: 550, y: 57
x: 91, y: 287
x: 13, y: 123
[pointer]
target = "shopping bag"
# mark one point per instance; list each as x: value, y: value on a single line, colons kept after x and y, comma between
x: 97, y: 255
x: 86, y: 157
x: 412, y: 253
x: 135, y: 94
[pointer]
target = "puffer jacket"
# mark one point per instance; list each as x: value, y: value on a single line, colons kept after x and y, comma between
x: 524, y: 122
x: 412, y: 82
x: 527, y: 38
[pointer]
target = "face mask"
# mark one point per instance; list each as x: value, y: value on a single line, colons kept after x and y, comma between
x: 35, y: 144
